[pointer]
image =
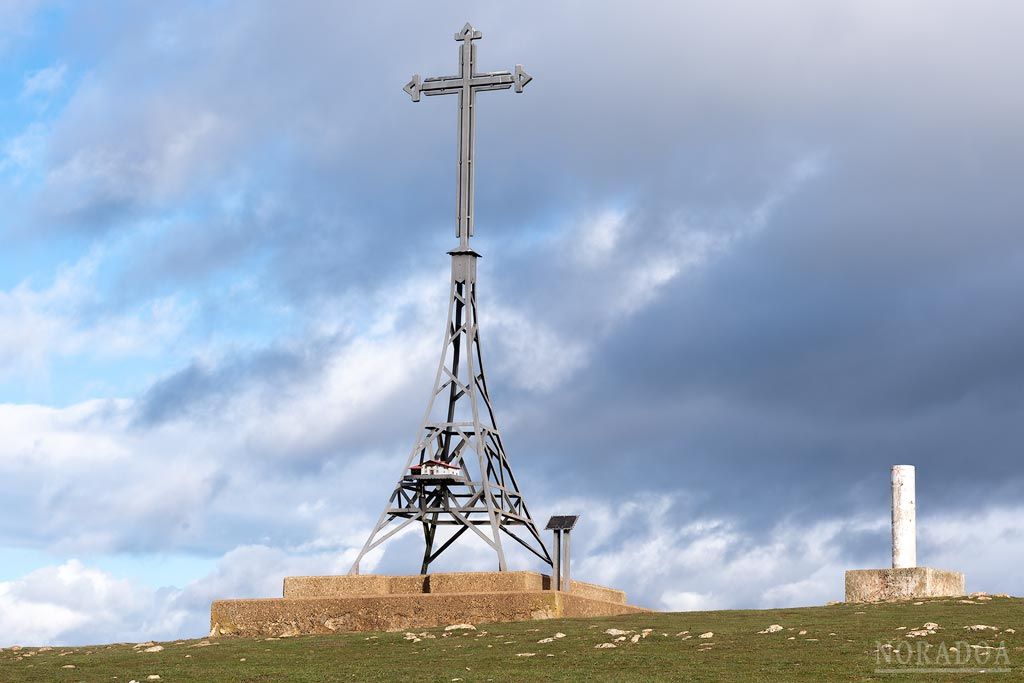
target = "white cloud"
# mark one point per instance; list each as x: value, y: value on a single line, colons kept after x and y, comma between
x: 45, y: 81
x: 685, y: 601
x: 532, y: 354
x: 58, y: 320
x: 74, y: 604
x: 598, y: 236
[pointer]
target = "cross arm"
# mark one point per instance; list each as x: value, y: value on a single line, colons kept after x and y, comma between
x: 450, y: 85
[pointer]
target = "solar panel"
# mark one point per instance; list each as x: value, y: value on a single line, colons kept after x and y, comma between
x: 562, y: 522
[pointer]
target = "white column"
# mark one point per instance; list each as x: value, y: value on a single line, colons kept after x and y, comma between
x: 904, y: 517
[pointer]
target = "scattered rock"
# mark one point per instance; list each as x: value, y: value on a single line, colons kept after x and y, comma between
x: 559, y: 635
x: 616, y: 632
x: 155, y: 648
x: 68, y: 666
x: 682, y: 633
x: 460, y: 627
x: 802, y: 633
x: 604, y: 646
x: 620, y: 639
x: 709, y: 634
x: 981, y: 627
x: 916, y: 604
x: 153, y: 677
x: 546, y: 640
x: 1010, y: 630
x: 635, y: 639
x: 526, y: 654
x: 931, y: 626
x: 774, y: 628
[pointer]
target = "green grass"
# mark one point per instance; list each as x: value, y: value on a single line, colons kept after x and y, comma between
x: 845, y: 639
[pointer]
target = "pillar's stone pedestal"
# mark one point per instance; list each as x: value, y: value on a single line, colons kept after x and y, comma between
x: 905, y: 583
x: 325, y: 604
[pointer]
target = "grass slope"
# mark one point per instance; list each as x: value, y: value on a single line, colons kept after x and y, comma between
x: 840, y: 644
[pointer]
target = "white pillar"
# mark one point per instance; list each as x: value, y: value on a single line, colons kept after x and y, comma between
x: 904, y: 517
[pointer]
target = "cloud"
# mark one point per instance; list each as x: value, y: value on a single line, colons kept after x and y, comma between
x: 61, y: 319
x: 75, y: 604
x: 44, y: 82
x: 725, y: 295
x: 636, y: 544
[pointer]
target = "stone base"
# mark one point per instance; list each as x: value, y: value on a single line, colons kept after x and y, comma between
x: 877, y: 585
x: 325, y: 604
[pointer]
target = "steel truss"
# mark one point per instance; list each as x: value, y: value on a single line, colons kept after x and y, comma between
x: 486, y: 493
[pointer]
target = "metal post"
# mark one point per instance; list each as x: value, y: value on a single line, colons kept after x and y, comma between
x: 556, y: 571
x: 566, y: 582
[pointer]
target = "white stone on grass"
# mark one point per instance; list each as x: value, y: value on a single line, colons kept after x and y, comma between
x: 709, y: 634
x: 774, y: 628
x: 460, y: 627
x: 604, y: 646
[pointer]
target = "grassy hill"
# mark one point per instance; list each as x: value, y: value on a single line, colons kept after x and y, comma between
x: 834, y: 643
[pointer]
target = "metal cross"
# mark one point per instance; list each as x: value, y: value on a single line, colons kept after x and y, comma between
x: 466, y: 85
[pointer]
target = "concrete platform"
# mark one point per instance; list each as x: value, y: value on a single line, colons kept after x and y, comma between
x: 325, y: 604
x: 877, y: 585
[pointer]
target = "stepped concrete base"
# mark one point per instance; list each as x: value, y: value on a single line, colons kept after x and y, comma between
x: 877, y: 585
x: 325, y: 604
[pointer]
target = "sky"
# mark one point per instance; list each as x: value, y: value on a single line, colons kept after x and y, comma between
x: 739, y: 259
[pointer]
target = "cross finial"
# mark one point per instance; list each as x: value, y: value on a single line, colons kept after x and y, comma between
x: 468, y: 32
x: 466, y: 84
